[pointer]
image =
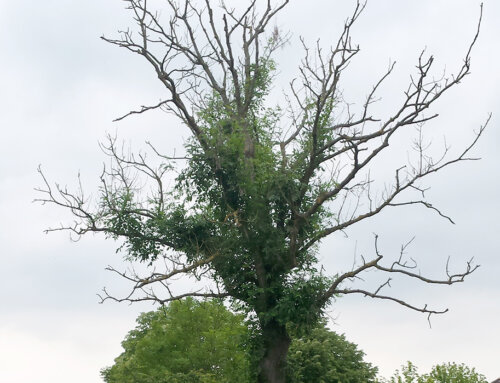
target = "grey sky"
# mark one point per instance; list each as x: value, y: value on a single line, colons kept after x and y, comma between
x: 60, y: 88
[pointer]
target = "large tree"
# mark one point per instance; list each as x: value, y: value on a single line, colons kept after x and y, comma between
x: 259, y: 186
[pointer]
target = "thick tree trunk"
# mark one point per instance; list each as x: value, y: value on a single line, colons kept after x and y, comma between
x: 276, y: 344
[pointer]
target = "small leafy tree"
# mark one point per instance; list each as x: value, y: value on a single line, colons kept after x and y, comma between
x: 441, y: 373
x: 259, y: 186
x: 323, y: 356
x: 455, y: 373
x: 186, y: 341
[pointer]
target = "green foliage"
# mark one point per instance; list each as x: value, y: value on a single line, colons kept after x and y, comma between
x: 246, y: 195
x: 294, y: 306
x: 442, y: 373
x: 188, y: 342
x: 326, y: 357
x: 202, y: 342
x: 236, y: 203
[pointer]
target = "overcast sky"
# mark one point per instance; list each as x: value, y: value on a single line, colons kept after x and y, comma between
x: 61, y: 87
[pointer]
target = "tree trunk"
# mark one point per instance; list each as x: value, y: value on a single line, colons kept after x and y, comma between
x: 276, y: 344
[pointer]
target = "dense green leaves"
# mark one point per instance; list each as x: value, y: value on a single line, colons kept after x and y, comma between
x: 203, y: 342
x: 442, y: 373
x: 188, y: 341
x: 193, y: 341
x: 326, y: 357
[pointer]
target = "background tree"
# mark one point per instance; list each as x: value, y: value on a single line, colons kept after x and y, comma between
x: 441, y: 373
x: 259, y: 186
x: 326, y: 357
x: 186, y: 341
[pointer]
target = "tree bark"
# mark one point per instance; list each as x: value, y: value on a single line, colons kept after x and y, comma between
x: 276, y: 344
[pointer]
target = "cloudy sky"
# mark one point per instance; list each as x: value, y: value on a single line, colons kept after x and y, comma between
x: 61, y: 87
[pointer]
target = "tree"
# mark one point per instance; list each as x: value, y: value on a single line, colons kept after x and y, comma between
x: 326, y: 357
x: 441, y: 373
x: 259, y: 186
x: 202, y: 341
x: 186, y: 341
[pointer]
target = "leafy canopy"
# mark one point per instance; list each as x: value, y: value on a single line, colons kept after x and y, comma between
x: 441, y: 373
x: 193, y: 341
x: 186, y: 341
x: 326, y: 357
x: 233, y: 204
